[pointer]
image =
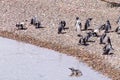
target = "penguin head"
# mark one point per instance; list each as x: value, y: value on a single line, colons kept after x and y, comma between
x: 77, y: 18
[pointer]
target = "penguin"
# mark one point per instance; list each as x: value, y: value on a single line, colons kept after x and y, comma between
x: 107, y: 27
x: 87, y: 23
x: 75, y: 72
x: 102, y: 37
x: 78, y: 25
x: 117, y: 30
x: 107, y: 49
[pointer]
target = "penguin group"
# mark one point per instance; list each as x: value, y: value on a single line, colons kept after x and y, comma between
x: 34, y: 21
x: 103, y: 39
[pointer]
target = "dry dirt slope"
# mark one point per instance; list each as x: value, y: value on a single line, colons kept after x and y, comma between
x: 50, y: 12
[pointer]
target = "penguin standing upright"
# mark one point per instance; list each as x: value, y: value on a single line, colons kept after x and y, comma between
x: 118, y: 21
x: 107, y: 26
x: 102, y: 37
x: 78, y: 25
x: 87, y: 23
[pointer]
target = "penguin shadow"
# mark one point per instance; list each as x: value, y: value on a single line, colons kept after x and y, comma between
x: 83, y: 44
x: 79, y: 35
x: 97, y: 36
x: 87, y: 30
x: 39, y: 27
x: 111, y: 31
x: 107, y: 53
x: 66, y: 28
x: 118, y: 33
x: 91, y: 41
x: 22, y: 29
x: 63, y: 33
x: 102, y: 43
x: 90, y: 29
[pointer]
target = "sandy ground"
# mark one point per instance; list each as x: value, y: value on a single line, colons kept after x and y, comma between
x: 51, y: 12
